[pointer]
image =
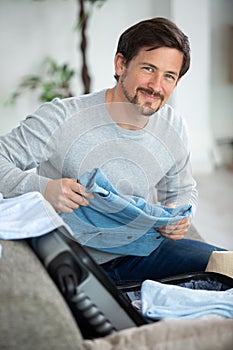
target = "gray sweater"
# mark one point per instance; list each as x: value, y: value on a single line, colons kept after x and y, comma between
x: 65, y: 138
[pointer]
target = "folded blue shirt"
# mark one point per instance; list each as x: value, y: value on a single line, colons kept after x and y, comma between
x: 160, y: 301
x: 117, y: 223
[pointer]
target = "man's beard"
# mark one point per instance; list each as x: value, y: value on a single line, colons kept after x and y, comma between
x: 145, y: 109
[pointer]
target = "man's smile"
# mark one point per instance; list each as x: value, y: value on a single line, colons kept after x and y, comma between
x: 150, y: 95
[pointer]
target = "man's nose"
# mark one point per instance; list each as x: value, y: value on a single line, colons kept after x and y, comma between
x: 155, y: 83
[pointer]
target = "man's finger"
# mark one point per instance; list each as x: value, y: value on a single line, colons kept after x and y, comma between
x: 173, y: 237
x: 78, y: 188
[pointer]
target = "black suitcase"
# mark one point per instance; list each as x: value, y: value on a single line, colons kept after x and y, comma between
x: 98, y: 306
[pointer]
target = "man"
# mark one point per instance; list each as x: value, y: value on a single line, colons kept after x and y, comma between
x: 134, y: 137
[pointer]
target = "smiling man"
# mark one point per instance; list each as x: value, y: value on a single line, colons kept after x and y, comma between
x: 135, y: 138
x: 148, y: 79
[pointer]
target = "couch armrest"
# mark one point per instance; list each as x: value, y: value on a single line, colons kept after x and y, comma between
x: 33, y: 313
x: 193, y: 234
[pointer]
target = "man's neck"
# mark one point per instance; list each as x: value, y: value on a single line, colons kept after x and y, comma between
x: 124, y: 113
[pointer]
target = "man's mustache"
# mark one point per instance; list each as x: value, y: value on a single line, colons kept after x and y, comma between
x: 151, y: 92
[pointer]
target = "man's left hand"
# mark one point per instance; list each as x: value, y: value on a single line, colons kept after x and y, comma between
x: 175, y: 231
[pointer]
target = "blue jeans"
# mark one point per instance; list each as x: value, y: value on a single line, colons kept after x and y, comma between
x: 169, y: 259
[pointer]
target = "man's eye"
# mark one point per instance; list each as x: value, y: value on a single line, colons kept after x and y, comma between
x: 170, y: 77
x: 148, y: 69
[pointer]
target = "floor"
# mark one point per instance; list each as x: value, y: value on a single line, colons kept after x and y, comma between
x: 214, y: 215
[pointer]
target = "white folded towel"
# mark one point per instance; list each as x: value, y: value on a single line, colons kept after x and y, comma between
x: 28, y: 215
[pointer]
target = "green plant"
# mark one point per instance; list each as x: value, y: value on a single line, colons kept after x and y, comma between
x: 55, y: 81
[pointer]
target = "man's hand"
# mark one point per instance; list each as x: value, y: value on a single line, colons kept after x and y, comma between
x: 175, y: 231
x: 66, y: 195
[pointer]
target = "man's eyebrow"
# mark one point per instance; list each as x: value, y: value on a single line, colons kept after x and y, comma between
x: 156, y: 68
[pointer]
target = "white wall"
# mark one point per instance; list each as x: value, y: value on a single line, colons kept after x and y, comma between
x: 193, y: 93
x: 221, y: 98
x: 31, y: 30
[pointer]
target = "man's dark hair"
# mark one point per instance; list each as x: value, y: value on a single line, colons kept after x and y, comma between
x: 154, y: 33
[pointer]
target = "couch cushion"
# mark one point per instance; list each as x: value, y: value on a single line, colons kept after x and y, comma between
x: 33, y: 313
x: 170, y: 335
x: 193, y: 234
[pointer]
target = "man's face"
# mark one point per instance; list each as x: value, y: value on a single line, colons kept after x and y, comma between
x: 149, y: 78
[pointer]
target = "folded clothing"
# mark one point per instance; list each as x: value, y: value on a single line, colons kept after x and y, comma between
x: 207, y: 284
x: 28, y: 215
x: 113, y: 220
x: 161, y: 301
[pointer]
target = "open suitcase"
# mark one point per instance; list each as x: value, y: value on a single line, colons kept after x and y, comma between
x: 98, y: 306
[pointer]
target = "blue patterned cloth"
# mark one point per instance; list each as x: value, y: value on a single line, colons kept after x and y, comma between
x: 117, y: 223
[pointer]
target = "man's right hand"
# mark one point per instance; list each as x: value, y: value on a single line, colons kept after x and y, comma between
x: 66, y: 195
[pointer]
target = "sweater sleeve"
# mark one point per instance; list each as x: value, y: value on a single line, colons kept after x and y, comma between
x: 178, y: 186
x: 25, y: 147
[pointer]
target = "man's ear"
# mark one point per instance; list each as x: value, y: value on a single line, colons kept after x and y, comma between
x: 119, y: 62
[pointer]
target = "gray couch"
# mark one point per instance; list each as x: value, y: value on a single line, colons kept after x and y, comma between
x: 34, y: 315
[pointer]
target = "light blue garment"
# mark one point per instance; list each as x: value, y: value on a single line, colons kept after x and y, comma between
x: 160, y: 301
x: 117, y: 223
